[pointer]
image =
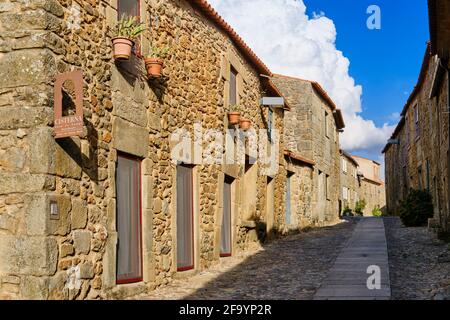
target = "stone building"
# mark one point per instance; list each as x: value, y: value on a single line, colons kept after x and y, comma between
x: 439, y: 13
x: 312, y: 129
x: 350, y: 182
x: 299, y: 184
x: 417, y: 154
x: 372, y: 188
x: 107, y: 213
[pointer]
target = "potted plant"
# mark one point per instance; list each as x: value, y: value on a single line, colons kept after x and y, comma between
x: 155, y: 61
x: 127, y: 29
x: 245, y: 124
x: 234, y: 115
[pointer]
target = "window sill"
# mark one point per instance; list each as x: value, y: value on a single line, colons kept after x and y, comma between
x: 180, y: 275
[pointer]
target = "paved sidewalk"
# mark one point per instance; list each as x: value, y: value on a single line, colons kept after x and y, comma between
x: 290, y: 268
x: 347, y: 279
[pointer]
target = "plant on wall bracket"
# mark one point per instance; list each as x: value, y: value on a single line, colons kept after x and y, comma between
x: 234, y: 114
x: 154, y: 61
x: 128, y: 28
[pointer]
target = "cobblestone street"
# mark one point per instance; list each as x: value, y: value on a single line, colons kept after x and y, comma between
x: 290, y: 268
x: 419, y: 263
x: 295, y: 267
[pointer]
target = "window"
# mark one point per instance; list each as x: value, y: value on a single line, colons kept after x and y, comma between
x: 345, y: 193
x: 270, y: 124
x: 419, y: 174
x: 327, y: 185
x: 288, y: 198
x: 270, y: 204
x: 233, y: 87
x: 344, y: 165
x: 416, y: 120
x: 129, y: 248
x: 225, y: 236
x: 430, y: 112
x: 326, y: 124
x: 185, y: 218
x: 130, y: 8
x: 407, y: 131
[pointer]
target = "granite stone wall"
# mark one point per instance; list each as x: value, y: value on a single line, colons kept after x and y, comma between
x: 74, y: 256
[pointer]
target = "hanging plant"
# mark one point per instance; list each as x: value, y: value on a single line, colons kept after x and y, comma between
x: 234, y: 115
x: 126, y: 31
x: 245, y: 124
x: 154, y: 61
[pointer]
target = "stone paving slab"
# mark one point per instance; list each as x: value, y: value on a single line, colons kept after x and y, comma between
x: 332, y: 290
x: 347, y: 278
x: 291, y: 268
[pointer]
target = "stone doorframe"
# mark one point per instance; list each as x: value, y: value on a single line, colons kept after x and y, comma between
x: 233, y: 172
x: 122, y: 132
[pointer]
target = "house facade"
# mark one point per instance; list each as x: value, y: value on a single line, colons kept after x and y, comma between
x: 372, y: 188
x: 417, y: 155
x: 312, y: 130
x: 124, y: 205
x: 350, y: 182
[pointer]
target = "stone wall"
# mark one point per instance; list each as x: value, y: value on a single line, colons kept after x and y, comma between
x: 301, y: 194
x: 123, y: 112
x: 306, y: 135
x: 373, y: 193
x: 420, y: 161
x: 372, y: 188
x: 349, y: 180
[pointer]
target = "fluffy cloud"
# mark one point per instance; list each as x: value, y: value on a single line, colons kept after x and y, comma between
x: 292, y: 43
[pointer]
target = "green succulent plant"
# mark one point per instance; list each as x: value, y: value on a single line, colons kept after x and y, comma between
x: 129, y: 27
x: 234, y: 108
x: 156, y: 52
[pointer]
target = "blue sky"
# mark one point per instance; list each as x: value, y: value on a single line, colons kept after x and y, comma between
x: 385, y: 62
x: 368, y: 73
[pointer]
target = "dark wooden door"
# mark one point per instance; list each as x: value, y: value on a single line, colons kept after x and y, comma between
x: 185, y: 218
x: 225, y: 240
x: 129, y: 249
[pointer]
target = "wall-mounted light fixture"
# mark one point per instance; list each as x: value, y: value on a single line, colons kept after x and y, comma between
x: 275, y: 102
x: 393, y: 141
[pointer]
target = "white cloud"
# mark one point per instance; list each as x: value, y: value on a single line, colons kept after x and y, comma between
x: 394, y: 117
x: 291, y: 43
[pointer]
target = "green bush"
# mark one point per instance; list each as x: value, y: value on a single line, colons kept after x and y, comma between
x: 347, y: 212
x: 417, y: 208
x: 376, y: 212
x: 360, y: 206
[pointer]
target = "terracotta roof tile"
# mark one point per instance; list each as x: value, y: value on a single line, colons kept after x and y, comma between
x: 298, y: 157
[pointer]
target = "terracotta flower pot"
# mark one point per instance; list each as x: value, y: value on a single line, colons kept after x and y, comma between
x: 234, y: 117
x: 122, y: 48
x: 245, y: 124
x: 154, y: 67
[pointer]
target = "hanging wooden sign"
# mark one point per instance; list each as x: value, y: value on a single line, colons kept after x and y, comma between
x: 70, y: 125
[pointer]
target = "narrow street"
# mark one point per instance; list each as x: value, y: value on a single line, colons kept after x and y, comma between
x: 329, y: 263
